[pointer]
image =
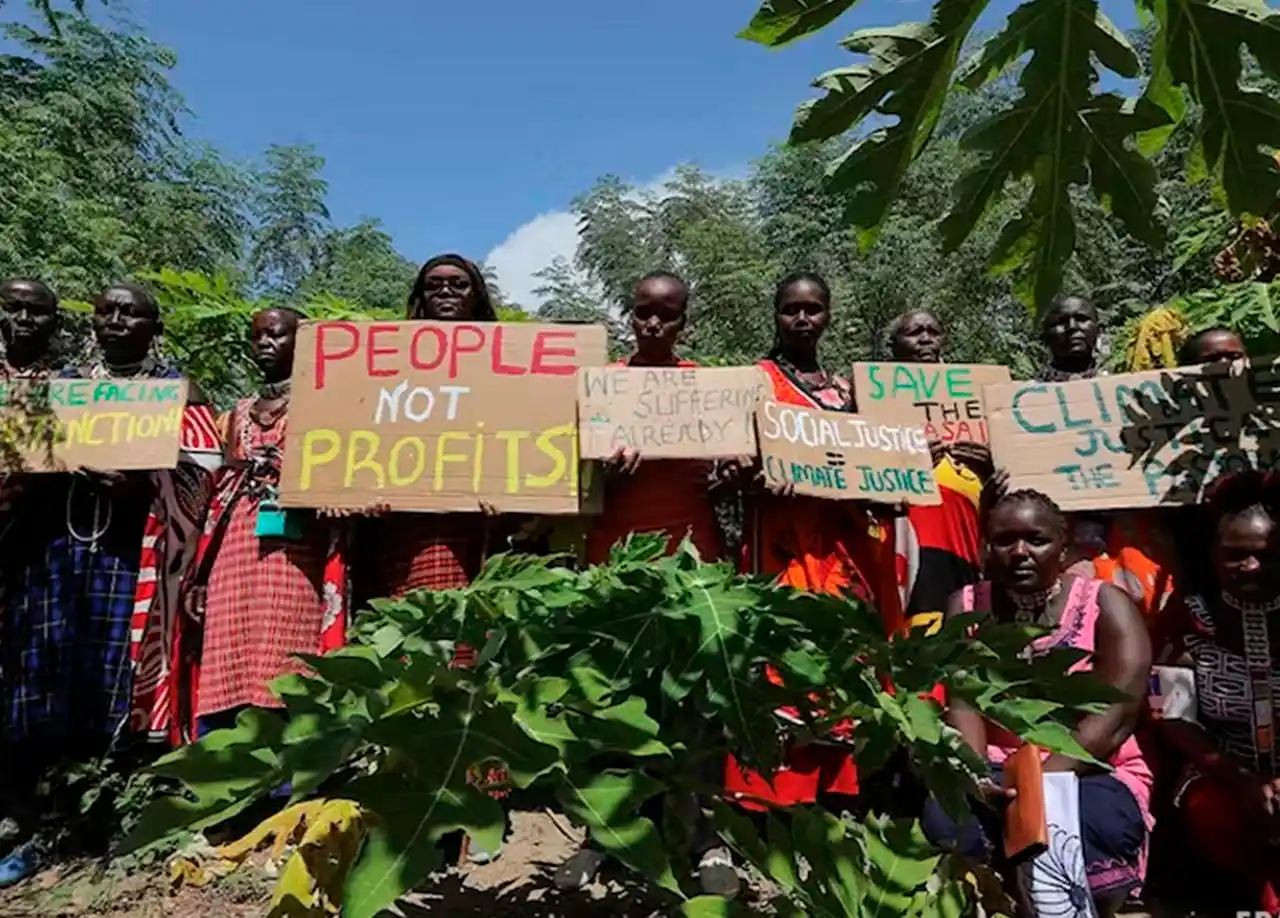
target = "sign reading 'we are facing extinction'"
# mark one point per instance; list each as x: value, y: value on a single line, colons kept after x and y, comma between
x: 64, y: 424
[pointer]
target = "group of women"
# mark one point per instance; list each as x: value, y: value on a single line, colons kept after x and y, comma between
x: 164, y: 602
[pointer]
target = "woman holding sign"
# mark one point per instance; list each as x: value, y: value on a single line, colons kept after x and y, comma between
x: 87, y: 650
x: 669, y: 496
x: 435, y: 551
x: 938, y: 548
x: 272, y: 583
x: 832, y: 547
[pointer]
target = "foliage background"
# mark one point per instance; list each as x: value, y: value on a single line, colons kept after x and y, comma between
x: 99, y: 184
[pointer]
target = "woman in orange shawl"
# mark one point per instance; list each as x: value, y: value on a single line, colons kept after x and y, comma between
x: 838, y: 548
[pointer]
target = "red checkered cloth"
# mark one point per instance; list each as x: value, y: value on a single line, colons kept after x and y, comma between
x: 267, y: 599
x: 428, y: 551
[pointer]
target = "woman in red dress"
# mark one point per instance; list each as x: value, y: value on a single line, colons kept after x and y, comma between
x: 669, y: 496
x: 276, y: 581
x: 840, y: 548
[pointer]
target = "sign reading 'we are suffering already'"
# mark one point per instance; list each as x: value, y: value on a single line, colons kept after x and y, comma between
x: 437, y: 416
x: 669, y: 412
x: 1137, y: 439
x: 845, y: 457
x: 63, y: 424
x: 948, y: 394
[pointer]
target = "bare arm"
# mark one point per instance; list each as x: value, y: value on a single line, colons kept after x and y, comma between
x: 1122, y: 659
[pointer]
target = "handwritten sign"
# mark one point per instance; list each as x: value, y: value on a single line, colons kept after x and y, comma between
x: 844, y: 456
x: 63, y: 424
x: 949, y: 394
x: 669, y: 412
x: 437, y: 416
x: 1137, y: 439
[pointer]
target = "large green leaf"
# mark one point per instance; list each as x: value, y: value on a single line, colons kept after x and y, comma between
x: 607, y: 805
x: 406, y: 826
x: 778, y: 22
x: 1059, y: 134
x: 1198, y: 47
x: 906, y: 77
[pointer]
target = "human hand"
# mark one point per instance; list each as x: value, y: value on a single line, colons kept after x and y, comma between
x: 995, y: 487
x: 104, y: 478
x: 976, y: 457
x: 623, y: 462
x: 736, y: 472
x: 996, y: 794
x: 489, y: 510
x: 381, y: 508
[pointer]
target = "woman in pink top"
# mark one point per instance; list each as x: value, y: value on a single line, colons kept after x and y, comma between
x: 1027, y: 547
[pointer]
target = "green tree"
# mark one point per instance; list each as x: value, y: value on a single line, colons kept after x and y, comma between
x: 1060, y: 134
x: 291, y: 217
x: 360, y: 264
x: 98, y: 183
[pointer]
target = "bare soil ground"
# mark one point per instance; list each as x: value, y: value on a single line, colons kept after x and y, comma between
x: 517, y: 884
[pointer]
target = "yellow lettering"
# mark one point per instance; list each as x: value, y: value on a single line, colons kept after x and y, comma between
x: 311, y: 457
x: 91, y: 422
x: 512, y: 439
x: 478, y: 466
x: 173, y: 421
x: 146, y: 426
x: 420, y: 465
x: 549, y: 448
x: 443, y: 456
x: 370, y: 441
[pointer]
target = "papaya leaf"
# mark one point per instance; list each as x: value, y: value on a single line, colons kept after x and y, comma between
x: 1054, y: 133
x: 708, y: 907
x: 779, y: 22
x: 405, y: 825
x: 1198, y: 48
x: 906, y: 76
x: 606, y: 805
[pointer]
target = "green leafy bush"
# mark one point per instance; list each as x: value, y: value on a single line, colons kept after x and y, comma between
x: 613, y: 685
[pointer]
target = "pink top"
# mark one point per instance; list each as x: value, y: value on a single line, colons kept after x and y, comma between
x: 1076, y: 628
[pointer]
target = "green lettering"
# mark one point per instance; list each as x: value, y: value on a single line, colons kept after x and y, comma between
x: 77, y: 393
x: 959, y: 382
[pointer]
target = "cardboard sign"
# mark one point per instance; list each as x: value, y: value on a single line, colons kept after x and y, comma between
x: 949, y: 394
x: 669, y: 412
x: 1137, y: 439
x: 437, y: 416
x: 843, y: 456
x: 60, y: 425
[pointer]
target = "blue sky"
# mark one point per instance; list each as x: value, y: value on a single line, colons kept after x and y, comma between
x: 469, y: 126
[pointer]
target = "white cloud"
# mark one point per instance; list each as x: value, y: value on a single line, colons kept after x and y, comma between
x: 534, y: 245
x: 531, y: 248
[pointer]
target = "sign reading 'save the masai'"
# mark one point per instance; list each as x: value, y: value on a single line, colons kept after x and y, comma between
x: 60, y: 425
x: 843, y: 456
x: 669, y: 412
x: 437, y: 416
x: 949, y: 395
x: 1136, y: 439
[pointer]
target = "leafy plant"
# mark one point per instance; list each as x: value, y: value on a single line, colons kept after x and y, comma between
x: 1060, y: 131
x: 618, y: 688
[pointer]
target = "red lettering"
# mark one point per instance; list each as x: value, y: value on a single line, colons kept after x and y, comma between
x: 459, y: 348
x: 374, y: 351
x: 537, y: 364
x: 503, y: 369
x: 415, y: 354
x: 324, y: 355
x: 963, y: 432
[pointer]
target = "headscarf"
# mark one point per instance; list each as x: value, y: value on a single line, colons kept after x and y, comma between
x: 1156, y: 341
x: 483, y: 311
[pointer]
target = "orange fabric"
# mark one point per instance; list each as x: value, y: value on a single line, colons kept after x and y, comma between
x: 1139, y: 560
x: 823, y: 546
x: 668, y: 495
